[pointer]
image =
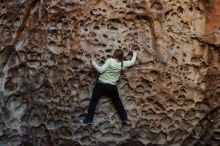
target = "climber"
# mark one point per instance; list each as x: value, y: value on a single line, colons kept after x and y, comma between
x: 109, y: 74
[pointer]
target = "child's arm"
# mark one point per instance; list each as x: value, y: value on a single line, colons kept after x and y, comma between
x: 102, y: 68
x: 130, y: 62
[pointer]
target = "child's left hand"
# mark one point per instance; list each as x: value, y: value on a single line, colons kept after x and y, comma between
x: 92, y: 56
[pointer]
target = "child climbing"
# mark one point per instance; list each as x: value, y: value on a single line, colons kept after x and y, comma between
x: 109, y: 74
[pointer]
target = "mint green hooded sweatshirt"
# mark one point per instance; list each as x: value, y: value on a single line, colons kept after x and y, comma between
x: 110, y: 70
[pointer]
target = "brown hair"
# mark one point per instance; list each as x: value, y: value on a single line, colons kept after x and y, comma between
x: 118, y: 54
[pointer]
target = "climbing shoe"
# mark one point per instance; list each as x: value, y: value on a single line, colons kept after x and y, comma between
x: 84, y: 121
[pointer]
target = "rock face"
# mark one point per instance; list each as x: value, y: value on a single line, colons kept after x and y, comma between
x: 171, y: 95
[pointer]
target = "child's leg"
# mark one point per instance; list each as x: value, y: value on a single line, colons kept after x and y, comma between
x: 118, y: 104
x: 96, y: 94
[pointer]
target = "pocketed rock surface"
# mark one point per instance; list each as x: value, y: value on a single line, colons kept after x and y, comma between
x: 171, y: 94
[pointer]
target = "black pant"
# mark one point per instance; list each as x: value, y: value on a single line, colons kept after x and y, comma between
x: 99, y: 89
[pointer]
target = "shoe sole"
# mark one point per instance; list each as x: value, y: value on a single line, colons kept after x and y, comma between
x: 81, y: 121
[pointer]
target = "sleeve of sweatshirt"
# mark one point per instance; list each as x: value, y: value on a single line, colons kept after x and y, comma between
x: 130, y: 62
x: 103, y: 67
